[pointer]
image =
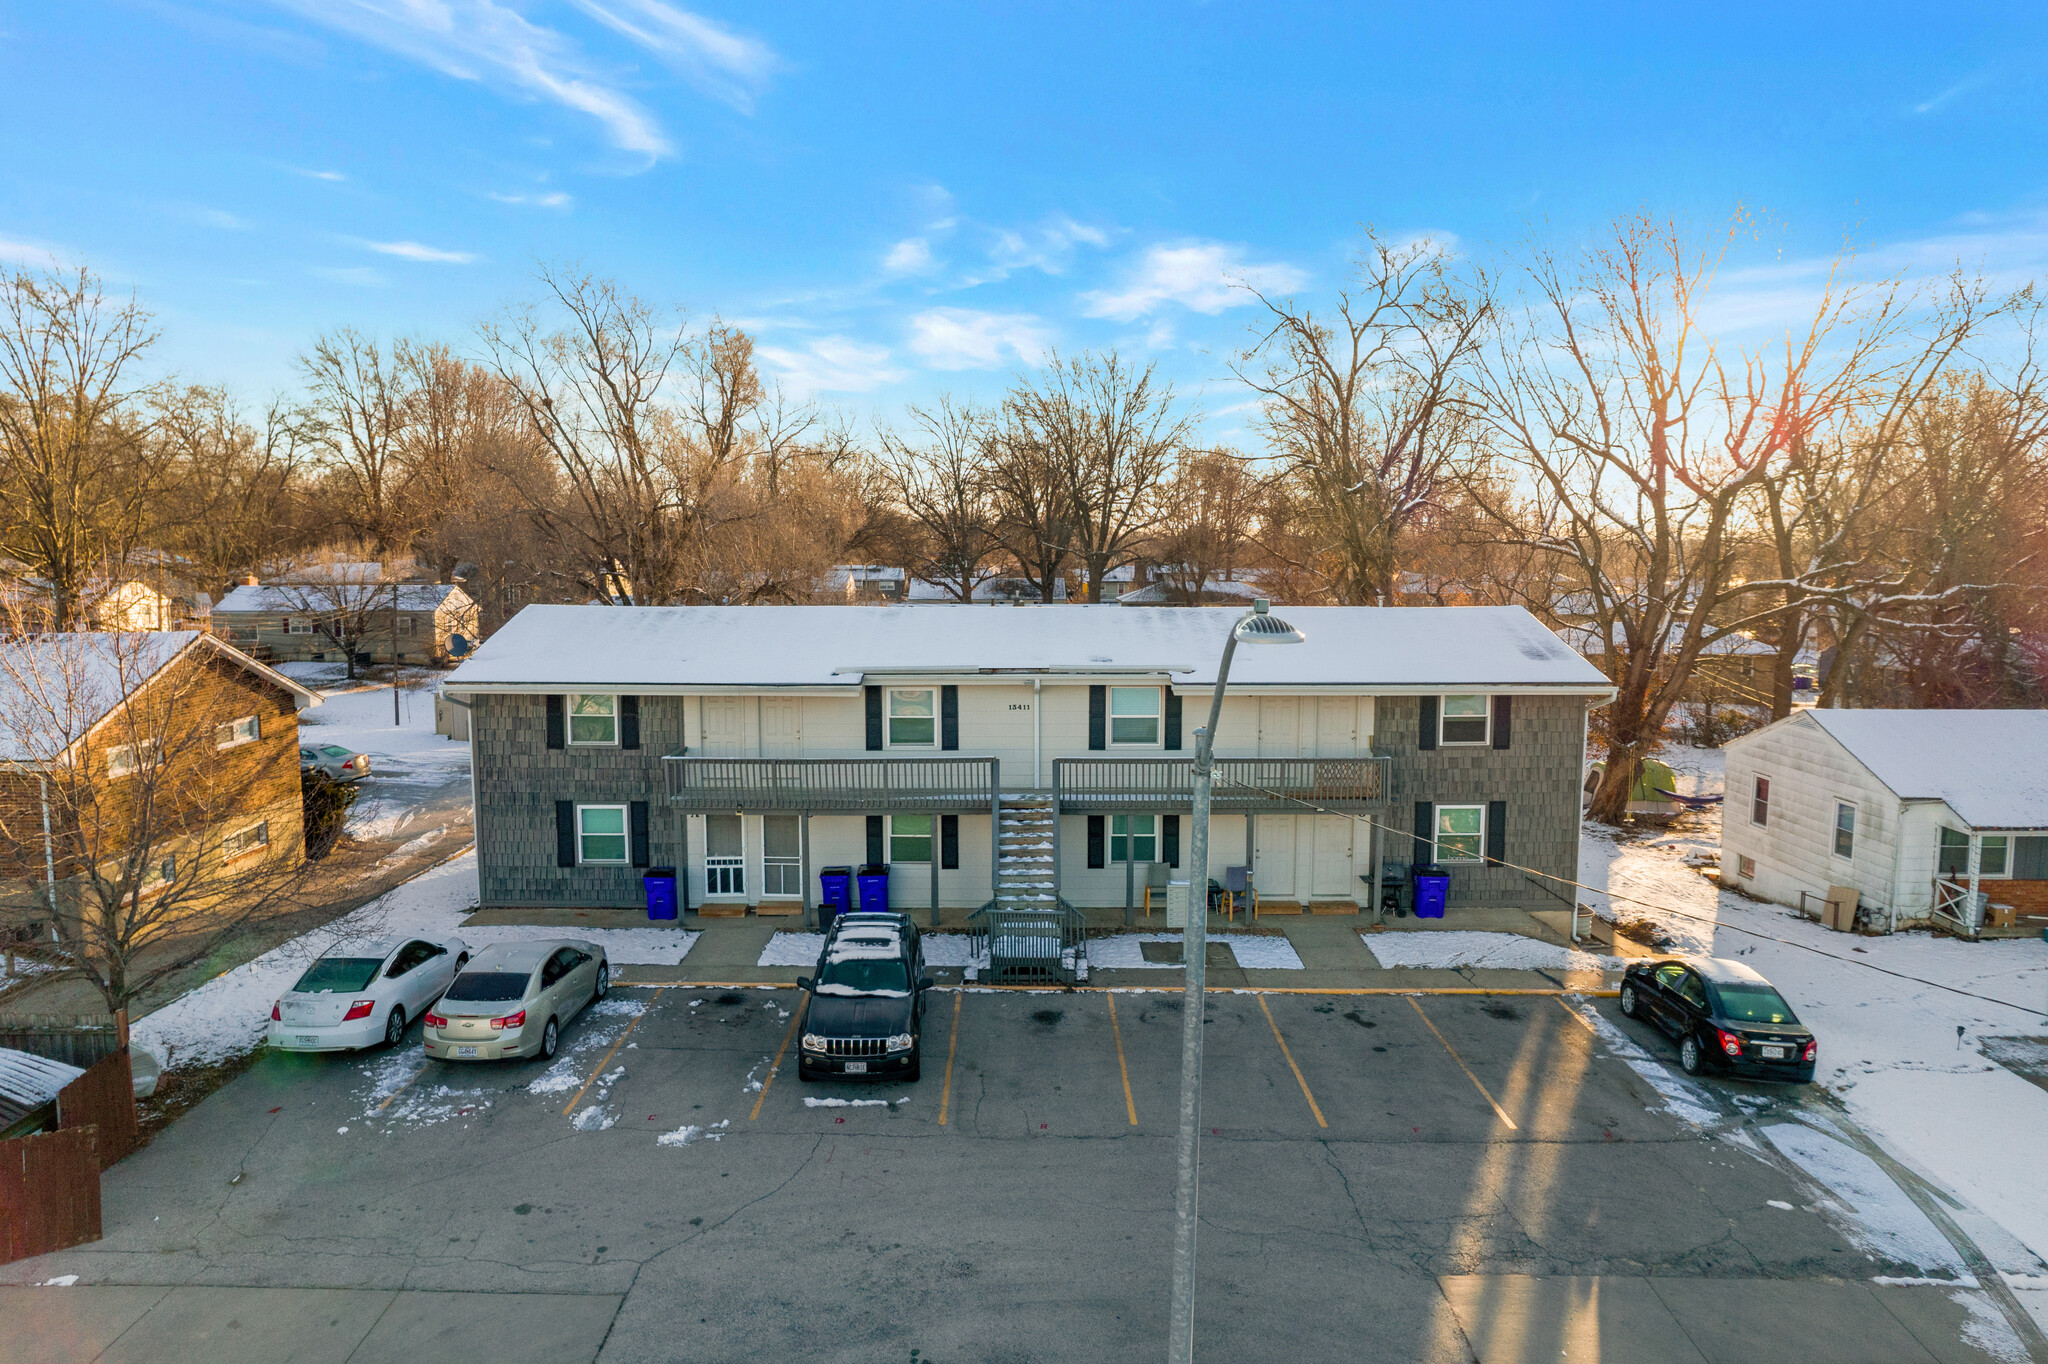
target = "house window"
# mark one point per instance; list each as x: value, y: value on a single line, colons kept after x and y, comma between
x: 725, y: 864
x: 593, y: 719
x: 1465, y: 720
x: 1134, y: 838
x: 601, y: 835
x: 242, y: 731
x: 1460, y: 832
x: 1745, y: 867
x: 125, y: 760
x: 910, y: 838
x: 1134, y: 716
x: 298, y: 625
x: 1845, y: 829
x: 249, y: 840
x: 1955, y: 853
x: 1760, y: 803
x: 913, y: 717
x: 158, y: 876
x: 1994, y: 856
x: 782, y: 867
x: 405, y: 625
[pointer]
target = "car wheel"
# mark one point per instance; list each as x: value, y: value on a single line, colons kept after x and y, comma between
x: 604, y: 982
x: 550, y: 1038
x: 394, y: 1026
x: 1690, y: 1057
x: 1628, y: 1001
x: 916, y: 1067
x: 461, y: 960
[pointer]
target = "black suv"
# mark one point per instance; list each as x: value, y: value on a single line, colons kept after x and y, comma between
x: 866, y: 1009
x: 1724, y: 1016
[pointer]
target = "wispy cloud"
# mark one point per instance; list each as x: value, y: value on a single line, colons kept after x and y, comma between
x: 911, y: 256
x: 833, y: 364
x: 358, y: 276
x: 331, y: 176
x: 1953, y: 93
x: 210, y: 217
x: 724, y: 65
x: 417, y: 251
x: 1047, y: 247
x: 14, y: 251
x: 480, y: 40
x: 556, y: 199
x: 962, y: 338
x: 1202, y: 277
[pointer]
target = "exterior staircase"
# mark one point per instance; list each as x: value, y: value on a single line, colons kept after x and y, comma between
x: 1024, y: 853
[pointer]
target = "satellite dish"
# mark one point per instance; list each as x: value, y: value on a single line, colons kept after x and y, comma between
x: 457, y: 645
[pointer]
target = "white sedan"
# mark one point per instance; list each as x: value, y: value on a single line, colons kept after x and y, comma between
x: 363, y: 994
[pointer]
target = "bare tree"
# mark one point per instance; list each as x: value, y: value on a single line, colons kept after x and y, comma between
x: 1208, y: 528
x: 937, y: 479
x: 346, y: 592
x: 362, y: 408
x: 232, y: 486
x: 1027, y: 473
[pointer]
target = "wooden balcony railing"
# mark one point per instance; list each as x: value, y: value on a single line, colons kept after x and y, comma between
x: 821, y: 784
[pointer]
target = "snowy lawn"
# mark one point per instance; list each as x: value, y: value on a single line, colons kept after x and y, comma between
x: 408, y: 760
x: 228, y: 1014
x: 1491, y: 951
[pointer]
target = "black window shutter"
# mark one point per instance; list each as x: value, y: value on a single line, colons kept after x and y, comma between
x: 637, y: 813
x: 949, y: 841
x: 565, y: 830
x: 1496, y: 832
x: 554, y: 722
x: 875, y: 849
x: 1169, y: 834
x: 1425, y: 832
x: 949, y: 717
x: 1503, y: 720
x: 1425, y: 737
x: 1172, y: 720
x: 629, y: 727
x: 1098, y: 723
x: 1095, y: 850
x: 874, y: 719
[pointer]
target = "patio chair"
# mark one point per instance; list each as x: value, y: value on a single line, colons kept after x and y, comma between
x: 1155, y: 884
x: 1238, y: 892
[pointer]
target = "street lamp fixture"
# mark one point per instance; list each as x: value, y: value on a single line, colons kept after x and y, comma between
x: 1257, y: 626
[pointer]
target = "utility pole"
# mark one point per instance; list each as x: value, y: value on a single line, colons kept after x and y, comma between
x: 396, y: 722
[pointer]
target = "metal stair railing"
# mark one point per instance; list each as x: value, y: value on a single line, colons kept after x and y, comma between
x: 1046, y: 946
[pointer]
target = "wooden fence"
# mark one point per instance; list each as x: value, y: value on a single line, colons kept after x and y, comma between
x: 81, y: 1040
x: 103, y: 1097
x: 49, y: 1192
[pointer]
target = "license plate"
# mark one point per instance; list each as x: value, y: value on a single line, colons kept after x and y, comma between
x: 308, y: 1040
x: 1772, y: 1053
x: 856, y: 1067
x: 465, y: 1051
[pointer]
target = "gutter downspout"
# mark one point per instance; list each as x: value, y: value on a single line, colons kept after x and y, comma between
x: 49, y: 857
x: 1037, y: 746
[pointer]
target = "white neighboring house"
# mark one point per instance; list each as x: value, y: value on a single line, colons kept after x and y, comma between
x: 1932, y: 815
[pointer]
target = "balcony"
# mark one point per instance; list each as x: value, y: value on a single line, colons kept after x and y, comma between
x: 1100, y: 785
x: 820, y: 785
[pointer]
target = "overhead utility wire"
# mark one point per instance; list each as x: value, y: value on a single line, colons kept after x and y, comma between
x: 1647, y: 904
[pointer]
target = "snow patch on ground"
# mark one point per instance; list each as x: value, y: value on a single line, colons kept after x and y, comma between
x: 1453, y: 948
x: 688, y: 1135
x: 1873, y: 1212
x: 1682, y: 1099
x: 852, y: 1103
x: 595, y: 1118
x: 802, y: 949
x: 567, y: 1071
x: 1254, y: 952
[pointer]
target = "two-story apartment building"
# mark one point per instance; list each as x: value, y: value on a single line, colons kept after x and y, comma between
x: 1018, y: 753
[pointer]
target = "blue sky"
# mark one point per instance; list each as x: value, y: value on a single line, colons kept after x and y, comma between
x: 904, y: 199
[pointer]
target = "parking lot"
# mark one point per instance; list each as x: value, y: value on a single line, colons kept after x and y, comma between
x: 1412, y: 1177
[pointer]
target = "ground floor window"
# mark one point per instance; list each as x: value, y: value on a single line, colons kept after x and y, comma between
x: 248, y: 840
x: 601, y: 835
x: 782, y: 866
x: 1845, y: 829
x: 910, y: 838
x: 1460, y: 832
x: 1745, y: 867
x: 1134, y: 838
x: 725, y: 866
x: 1993, y: 860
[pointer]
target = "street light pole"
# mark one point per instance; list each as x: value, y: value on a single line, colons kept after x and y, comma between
x: 1258, y: 626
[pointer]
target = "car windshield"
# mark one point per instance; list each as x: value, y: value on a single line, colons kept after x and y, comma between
x: 488, y: 987
x: 1754, y: 1004
x: 865, y: 976
x: 331, y: 975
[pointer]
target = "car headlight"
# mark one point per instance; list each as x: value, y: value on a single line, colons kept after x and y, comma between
x: 900, y: 1042
x: 813, y: 1042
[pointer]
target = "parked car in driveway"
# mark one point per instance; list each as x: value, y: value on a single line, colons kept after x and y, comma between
x: 515, y: 998
x: 342, y: 764
x: 1723, y: 1015
x: 866, y: 1007
x: 363, y: 994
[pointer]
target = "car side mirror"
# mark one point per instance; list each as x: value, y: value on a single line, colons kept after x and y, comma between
x: 803, y: 982
x: 925, y: 982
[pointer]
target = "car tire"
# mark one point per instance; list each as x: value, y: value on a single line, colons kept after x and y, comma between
x: 550, y: 1038
x: 916, y: 1067
x: 1691, y: 1059
x: 1628, y: 1001
x: 461, y: 960
x: 604, y: 983
x: 394, y: 1026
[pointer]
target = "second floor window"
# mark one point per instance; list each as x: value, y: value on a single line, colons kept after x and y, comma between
x: 1465, y: 720
x: 913, y: 718
x: 593, y: 719
x: 1760, y: 803
x: 1134, y: 716
x: 125, y: 760
x: 242, y: 731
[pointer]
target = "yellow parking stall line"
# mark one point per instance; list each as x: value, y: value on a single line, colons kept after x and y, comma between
x: 796, y: 1021
x: 1577, y: 1017
x: 1298, y: 1077
x: 946, y: 1094
x: 402, y: 1088
x: 1462, y: 1066
x: 608, y: 1056
x: 1124, y: 1070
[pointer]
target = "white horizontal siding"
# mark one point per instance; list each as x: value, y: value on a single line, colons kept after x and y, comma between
x: 1809, y: 774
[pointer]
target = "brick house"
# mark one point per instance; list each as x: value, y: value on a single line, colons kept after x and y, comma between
x: 1000, y: 754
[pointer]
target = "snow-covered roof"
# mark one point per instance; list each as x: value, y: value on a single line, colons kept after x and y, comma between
x: 315, y: 598
x: 29, y: 1080
x: 658, y: 649
x: 1975, y: 760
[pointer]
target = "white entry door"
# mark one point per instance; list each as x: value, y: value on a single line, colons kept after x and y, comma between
x: 782, y: 728
x: 1337, y: 727
x: 1273, y: 857
x: 1333, y: 856
x: 725, y: 730
x: 1279, y: 727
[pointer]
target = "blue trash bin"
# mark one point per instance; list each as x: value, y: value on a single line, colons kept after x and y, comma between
x: 835, y: 886
x: 1432, y: 890
x: 660, y: 884
x: 874, y: 888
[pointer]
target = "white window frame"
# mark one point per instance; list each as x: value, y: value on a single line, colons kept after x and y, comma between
x: 1835, y: 830
x: 298, y: 625
x: 889, y: 836
x: 570, y: 717
x: 153, y: 880
x: 1436, y: 847
x: 1444, y: 717
x: 889, y: 717
x: 1745, y: 867
x: 1131, y: 837
x: 1157, y: 716
x: 138, y: 755
x: 235, y: 738
x: 1760, y: 799
x: 1984, y: 842
x: 624, y: 835
x: 258, y: 836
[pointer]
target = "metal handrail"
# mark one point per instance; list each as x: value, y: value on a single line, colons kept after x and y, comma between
x: 823, y: 784
x: 1241, y: 783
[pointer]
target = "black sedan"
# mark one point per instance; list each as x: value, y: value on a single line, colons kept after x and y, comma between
x: 866, y: 1008
x: 1724, y: 1016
